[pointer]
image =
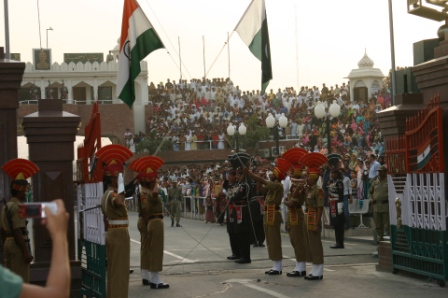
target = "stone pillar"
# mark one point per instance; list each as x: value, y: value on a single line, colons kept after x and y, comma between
x: 11, y: 73
x: 50, y: 135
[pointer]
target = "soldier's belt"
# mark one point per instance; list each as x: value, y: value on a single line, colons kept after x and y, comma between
x: 240, y: 205
x: 385, y: 202
x: 24, y: 237
x: 154, y: 216
x: 118, y: 222
x: 117, y: 226
x: 266, y: 208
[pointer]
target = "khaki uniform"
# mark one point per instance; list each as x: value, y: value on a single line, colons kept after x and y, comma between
x: 379, y: 192
x: 174, y: 199
x: 272, y: 224
x: 297, y: 228
x: 118, y: 246
x: 314, y: 198
x: 141, y: 225
x: 14, y: 259
x: 155, y: 232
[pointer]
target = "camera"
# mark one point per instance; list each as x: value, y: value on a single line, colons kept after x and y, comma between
x: 37, y: 210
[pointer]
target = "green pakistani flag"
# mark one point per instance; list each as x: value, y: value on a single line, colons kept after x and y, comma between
x: 253, y: 30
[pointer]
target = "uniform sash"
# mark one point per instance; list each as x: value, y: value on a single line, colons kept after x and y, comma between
x: 270, y: 214
x: 230, y: 213
x: 293, y: 217
x: 239, y: 214
x: 311, y: 218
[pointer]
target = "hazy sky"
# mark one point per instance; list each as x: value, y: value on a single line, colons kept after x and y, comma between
x: 331, y: 36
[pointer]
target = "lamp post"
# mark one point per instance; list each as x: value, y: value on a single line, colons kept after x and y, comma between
x: 319, y: 112
x: 232, y: 131
x: 47, y: 35
x: 270, y: 123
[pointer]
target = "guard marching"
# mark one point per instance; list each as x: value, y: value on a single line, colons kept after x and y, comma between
x: 295, y: 216
x: 13, y: 226
x: 116, y: 220
x: 273, y: 217
x: 314, y: 203
x: 150, y: 223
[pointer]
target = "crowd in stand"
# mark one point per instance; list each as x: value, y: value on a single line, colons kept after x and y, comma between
x: 195, y: 115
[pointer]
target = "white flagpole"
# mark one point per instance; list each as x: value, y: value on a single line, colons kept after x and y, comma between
x: 6, y: 29
x: 203, y: 55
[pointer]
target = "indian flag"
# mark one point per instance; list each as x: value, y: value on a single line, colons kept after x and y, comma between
x: 424, y: 154
x: 138, y: 39
x: 253, y: 30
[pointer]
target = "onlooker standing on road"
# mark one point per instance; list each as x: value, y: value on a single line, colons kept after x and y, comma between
x: 174, y: 202
x: 379, y: 198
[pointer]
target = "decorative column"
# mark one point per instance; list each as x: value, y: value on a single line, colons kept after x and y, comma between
x: 51, y: 133
x: 11, y: 73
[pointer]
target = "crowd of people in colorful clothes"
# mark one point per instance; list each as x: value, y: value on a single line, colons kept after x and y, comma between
x: 195, y: 115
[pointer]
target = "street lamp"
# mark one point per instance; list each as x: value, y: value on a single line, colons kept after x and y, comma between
x: 47, y: 35
x: 270, y: 123
x: 319, y: 112
x: 242, y: 129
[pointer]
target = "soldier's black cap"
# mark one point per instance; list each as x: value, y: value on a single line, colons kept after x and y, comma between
x: 333, y: 158
x: 239, y: 160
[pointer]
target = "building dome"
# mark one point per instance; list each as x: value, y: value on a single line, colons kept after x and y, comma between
x: 365, y: 61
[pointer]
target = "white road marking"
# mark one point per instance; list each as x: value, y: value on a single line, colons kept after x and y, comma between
x: 184, y: 260
x: 246, y: 282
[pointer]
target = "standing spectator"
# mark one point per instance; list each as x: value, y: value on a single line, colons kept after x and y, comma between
x: 174, y: 202
x: 209, y: 216
x: 127, y: 137
x: 379, y: 198
x: 347, y: 196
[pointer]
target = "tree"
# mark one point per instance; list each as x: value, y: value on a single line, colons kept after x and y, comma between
x: 256, y: 132
x: 151, y: 143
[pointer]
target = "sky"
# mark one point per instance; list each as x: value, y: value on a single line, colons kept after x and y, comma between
x: 312, y: 42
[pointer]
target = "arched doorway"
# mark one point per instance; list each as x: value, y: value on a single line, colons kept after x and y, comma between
x: 360, y: 91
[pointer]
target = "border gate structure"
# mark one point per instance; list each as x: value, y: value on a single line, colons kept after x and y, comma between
x: 417, y: 198
x: 91, y: 238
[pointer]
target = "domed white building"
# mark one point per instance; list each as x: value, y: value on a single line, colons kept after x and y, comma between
x: 365, y: 80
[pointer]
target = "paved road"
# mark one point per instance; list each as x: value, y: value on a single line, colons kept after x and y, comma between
x: 195, y: 265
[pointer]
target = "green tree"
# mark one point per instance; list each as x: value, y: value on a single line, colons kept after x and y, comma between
x: 256, y: 132
x: 152, y: 142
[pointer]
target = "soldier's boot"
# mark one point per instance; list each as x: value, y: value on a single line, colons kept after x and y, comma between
x: 172, y: 222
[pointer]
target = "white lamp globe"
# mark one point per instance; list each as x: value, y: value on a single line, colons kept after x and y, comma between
x: 242, y: 129
x: 335, y: 109
x: 270, y: 121
x: 283, y: 121
x: 230, y: 130
x: 319, y: 110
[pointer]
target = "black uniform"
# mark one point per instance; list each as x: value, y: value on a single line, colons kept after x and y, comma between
x: 230, y: 189
x: 242, y: 220
x: 336, y: 195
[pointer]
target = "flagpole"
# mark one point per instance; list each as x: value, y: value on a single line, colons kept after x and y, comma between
x: 180, y: 59
x: 228, y: 51
x: 6, y: 29
x: 297, y: 48
x: 203, y: 55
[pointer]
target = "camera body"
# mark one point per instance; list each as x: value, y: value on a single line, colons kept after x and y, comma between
x: 37, y: 210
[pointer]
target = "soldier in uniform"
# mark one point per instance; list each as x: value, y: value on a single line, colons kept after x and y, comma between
x: 242, y: 220
x: 116, y: 220
x: 12, y: 224
x: 379, y: 198
x: 229, y: 189
x: 175, y: 198
x: 295, y: 216
x: 151, y: 223
x: 273, y: 217
x: 314, y: 203
x: 336, y: 200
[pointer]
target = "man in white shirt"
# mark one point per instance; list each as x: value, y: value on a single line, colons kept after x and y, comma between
x: 286, y: 186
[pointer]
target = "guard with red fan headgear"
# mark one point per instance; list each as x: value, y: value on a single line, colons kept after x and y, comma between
x: 150, y: 222
x: 295, y: 218
x: 12, y: 223
x: 273, y: 217
x: 114, y: 209
x: 314, y: 203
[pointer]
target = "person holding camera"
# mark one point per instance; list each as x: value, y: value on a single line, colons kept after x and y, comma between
x: 13, y: 226
x: 58, y: 281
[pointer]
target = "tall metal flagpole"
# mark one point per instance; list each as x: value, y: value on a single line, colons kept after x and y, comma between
x: 392, y: 53
x: 203, y: 55
x: 228, y: 52
x: 297, y: 48
x: 180, y: 60
x: 6, y: 29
